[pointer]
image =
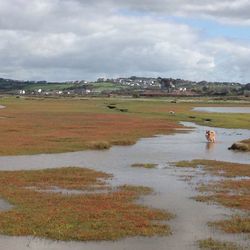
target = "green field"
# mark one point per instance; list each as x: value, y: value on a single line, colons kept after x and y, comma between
x: 48, y: 87
x: 107, y: 86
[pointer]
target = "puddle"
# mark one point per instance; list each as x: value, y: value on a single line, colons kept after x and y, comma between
x: 243, y: 110
x: 4, y: 206
x: 172, y: 193
x: 65, y: 191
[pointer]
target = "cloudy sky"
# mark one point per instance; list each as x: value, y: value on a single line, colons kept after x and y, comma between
x: 58, y: 40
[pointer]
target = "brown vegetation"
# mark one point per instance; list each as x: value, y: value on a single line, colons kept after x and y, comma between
x: 241, y: 146
x: 97, y: 216
x: 144, y: 165
x: 230, y: 192
x: 236, y: 224
x: 219, y: 168
x: 47, y: 126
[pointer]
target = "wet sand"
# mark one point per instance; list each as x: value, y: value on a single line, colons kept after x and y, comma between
x: 172, y: 193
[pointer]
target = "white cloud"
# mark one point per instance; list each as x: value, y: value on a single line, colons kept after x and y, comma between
x: 232, y: 60
x: 74, y: 39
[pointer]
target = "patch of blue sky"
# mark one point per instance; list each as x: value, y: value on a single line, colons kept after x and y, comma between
x: 208, y: 28
x: 214, y: 29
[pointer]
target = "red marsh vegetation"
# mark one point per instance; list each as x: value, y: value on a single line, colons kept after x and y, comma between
x: 109, y: 215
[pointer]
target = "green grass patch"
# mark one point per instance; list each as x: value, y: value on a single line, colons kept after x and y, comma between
x: 123, y: 142
x: 107, y: 86
x: 144, y: 165
x: 236, y: 224
x: 100, y: 145
x: 211, y: 244
x: 220, y: 168
x: 49, y: 87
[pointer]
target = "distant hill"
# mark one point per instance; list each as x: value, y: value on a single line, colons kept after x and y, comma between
x: 9, y: 85
x: 121, y: 86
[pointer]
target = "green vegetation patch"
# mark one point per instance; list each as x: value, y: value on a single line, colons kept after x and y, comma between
x: 99, y: 145
x: 144, y: 165
x: 232, y: 191
x: 109, y: 215
x: 107, y: 86
x: 49, y: 86
x: 236, y: 224
x: 51, y: 125
x: 220, y: 168
x: 211, y: 244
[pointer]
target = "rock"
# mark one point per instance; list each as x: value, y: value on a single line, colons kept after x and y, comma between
x: 239, y: 146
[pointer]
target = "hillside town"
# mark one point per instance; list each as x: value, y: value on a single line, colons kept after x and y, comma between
x: 131, y: 86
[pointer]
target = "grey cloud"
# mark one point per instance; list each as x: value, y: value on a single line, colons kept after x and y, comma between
x: 74, y: 15
x: 74, y: 39
x: 232, y: 11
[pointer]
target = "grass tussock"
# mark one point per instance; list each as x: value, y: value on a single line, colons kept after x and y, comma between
x: 236, y: 224
x: 140, y: 190
x: 96, y: 216
x: 227, y: 200
x: 144, y: 165
x: 99, y: 145
x: 219, y: 168
x: 232, y: 191
x: 232, y: 194
x: 211, y: 244
x: 229, y: 193
x: 123, y: 142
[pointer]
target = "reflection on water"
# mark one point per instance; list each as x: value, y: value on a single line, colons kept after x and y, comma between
x: 4, y: 206
x: 171, y: 193
x: 210, y: 146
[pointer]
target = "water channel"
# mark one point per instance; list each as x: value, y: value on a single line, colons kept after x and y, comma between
x: 171, y: 193
x: 240, y: 110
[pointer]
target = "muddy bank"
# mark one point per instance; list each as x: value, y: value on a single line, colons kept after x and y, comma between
x: 172, y: 193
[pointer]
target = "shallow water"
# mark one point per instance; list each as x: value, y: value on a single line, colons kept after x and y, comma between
x: 243, y: 110
x: 171, y: 193
x: 4, y: 206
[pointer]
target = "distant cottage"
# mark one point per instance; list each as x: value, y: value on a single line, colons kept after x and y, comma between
x: 166, y: 84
